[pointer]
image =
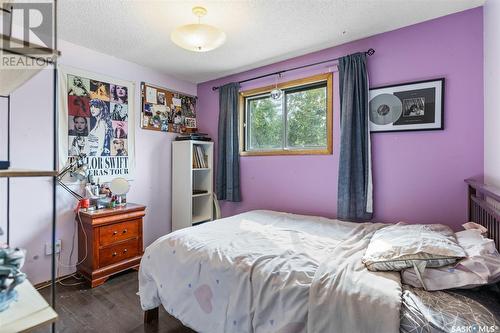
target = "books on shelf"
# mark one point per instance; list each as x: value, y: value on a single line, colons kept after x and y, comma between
x: 200, y: 159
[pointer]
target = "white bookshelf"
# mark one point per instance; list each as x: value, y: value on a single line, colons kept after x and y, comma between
x: 190, y: 207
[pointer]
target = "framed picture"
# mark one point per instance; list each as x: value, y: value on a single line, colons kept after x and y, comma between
x: 415, y: 106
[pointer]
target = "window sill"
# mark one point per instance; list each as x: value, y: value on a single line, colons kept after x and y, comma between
x: 326, y: 151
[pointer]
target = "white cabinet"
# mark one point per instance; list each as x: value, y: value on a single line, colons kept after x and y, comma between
x: 192, y: 183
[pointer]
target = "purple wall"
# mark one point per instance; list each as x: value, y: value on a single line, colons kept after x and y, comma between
x: 418, y: 176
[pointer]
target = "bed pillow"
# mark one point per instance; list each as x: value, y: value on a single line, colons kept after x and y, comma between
x: 482, y: 266
x: 401, y: 246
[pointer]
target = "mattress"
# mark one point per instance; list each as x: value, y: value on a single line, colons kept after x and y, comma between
x: 450, y: 311
x: 265, y: 271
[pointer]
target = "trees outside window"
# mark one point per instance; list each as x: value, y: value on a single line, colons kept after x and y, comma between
x: 299, y: 122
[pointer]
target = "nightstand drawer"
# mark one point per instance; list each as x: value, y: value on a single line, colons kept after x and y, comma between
x: 118, y: 232
x: 117, y: 253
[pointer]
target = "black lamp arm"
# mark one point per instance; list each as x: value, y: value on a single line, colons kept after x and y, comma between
x: 73, y: 193
x: 64, y: 171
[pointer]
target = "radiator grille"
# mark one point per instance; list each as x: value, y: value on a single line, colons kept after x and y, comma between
x: 495, y: 204
x: 486, y: 213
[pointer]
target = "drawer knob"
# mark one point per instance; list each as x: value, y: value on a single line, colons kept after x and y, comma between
x: 115, y: 232
x: 114, y: 254
x: 125, y: 231
x: 125, y: 251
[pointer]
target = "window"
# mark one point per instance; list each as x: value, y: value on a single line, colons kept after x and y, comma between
x: 300, y: 122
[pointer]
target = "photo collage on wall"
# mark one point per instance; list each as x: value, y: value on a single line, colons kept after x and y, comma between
x: 97, y: 117
x: 167, y: 111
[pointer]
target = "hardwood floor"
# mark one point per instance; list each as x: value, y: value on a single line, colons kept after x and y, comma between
x: 112, y: 307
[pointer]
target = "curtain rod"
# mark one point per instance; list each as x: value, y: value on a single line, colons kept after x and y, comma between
x: 370, y: 52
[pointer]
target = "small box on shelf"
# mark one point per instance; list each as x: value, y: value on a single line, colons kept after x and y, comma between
x: 199, y: 192
x: 4, y: 165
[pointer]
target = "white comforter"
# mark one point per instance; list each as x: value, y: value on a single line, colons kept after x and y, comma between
x: 265, y: 271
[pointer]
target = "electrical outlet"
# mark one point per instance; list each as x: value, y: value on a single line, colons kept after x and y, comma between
x: 48, y: 247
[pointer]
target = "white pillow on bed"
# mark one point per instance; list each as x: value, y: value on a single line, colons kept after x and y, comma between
x: 401, y: 246
x: 482, y: 266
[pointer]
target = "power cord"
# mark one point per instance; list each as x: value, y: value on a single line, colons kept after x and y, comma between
x: 73, y: 245
x: 59, y: 263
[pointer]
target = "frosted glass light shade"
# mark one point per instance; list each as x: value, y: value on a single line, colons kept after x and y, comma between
x: 198, y: 37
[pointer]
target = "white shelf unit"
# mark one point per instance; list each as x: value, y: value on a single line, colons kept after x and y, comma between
x: 190, y: 207
x: 28, y: 312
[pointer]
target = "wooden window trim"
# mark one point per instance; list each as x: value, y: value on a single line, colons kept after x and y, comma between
x: 328, y: 78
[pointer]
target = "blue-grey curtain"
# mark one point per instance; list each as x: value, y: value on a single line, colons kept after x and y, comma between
x: 354, y: 201
x: 228, y: 158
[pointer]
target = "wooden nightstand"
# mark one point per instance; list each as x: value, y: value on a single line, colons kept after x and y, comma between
x: 114, y: 242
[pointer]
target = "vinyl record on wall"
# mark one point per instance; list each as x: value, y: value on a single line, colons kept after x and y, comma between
x: 412, y: 106
x: 385, y: 109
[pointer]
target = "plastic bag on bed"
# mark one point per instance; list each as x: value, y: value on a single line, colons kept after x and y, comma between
x: 444, y: 312
x: 482, y: 266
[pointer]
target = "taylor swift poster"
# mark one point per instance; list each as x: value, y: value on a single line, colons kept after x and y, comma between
x: 94, y: 117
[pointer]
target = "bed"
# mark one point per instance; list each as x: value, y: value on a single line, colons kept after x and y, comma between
x: 265, y: 271
x: 474, y: 311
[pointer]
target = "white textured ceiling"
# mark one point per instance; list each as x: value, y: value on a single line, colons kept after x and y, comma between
x: 259, y: 32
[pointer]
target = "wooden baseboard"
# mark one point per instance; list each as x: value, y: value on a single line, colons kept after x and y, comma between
x: 60, y: 278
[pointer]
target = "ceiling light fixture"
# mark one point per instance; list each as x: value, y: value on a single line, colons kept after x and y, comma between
x: 198, y: 37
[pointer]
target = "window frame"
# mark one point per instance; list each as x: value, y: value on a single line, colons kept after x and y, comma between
x: 328, y: 150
